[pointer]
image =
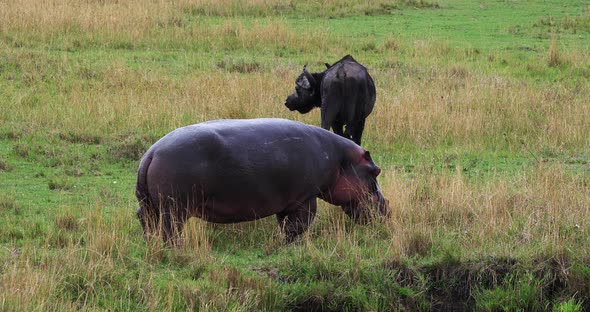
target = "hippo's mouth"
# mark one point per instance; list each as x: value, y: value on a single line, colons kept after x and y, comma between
x: 364, y: 211
x: 382, y: 204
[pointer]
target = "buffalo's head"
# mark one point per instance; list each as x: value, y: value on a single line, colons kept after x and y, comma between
x: 356, y: 190
x: 307, y: 92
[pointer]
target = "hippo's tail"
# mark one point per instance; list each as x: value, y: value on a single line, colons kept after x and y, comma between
x: 146, y: 207
x: 145, y: 212
x: 141, y: 188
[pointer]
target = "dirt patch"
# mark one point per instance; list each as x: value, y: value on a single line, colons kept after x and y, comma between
x: 72, y: 137
x: 449, y: 284
x: 5, y: 166
x: 452, y: 284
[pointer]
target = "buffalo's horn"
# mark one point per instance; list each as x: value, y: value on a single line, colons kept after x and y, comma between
x: 308, y: 76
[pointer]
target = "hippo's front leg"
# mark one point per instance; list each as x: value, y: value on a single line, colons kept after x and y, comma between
x: 297, y: 218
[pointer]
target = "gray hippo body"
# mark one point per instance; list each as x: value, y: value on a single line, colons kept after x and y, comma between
x: 229, y: 171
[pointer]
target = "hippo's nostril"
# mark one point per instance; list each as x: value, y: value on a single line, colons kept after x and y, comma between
x: 377, y: 170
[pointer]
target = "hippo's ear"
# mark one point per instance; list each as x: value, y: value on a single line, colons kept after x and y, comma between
x: 327, y: 65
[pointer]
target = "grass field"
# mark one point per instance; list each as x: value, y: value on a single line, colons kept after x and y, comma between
x: 481, y: 127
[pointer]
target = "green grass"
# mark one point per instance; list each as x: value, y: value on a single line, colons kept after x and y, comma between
x: 480, y: 128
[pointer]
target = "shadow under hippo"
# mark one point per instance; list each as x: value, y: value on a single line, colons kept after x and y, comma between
x: 228, y: 171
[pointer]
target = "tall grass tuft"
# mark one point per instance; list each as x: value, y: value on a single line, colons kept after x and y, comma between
x: 554, y: 57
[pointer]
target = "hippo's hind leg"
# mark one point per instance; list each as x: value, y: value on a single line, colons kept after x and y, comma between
x: 173, y: 216
x: 297, y: 218
x: 142, y: 219
x: 149, y: 219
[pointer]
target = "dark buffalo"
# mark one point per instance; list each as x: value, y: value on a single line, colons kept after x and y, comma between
x: 229, y: 171
x: 345, y: 92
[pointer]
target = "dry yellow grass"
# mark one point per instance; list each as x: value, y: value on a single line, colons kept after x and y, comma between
x: 475, y: 109
x: 427, y: 106
x: 468, y: 109
x: 554, y: 57
x: 59, y: 17
x: 541, y: 209
x: 545, y: 208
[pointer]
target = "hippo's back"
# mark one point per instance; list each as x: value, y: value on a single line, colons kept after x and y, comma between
x: 247, y: 137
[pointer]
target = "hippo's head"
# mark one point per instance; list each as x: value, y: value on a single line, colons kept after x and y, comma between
x: 356, y: 189
x: 307, y: 92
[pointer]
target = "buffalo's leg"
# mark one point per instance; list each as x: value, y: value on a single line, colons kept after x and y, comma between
x: 329, y: 116
x: 326, y: 124
x: 296, y: 220
x: 356, y: 130
x: 347, y: 133
x: 337, y: 126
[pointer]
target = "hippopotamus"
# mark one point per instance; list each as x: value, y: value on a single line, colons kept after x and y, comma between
x: 229, y: 171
